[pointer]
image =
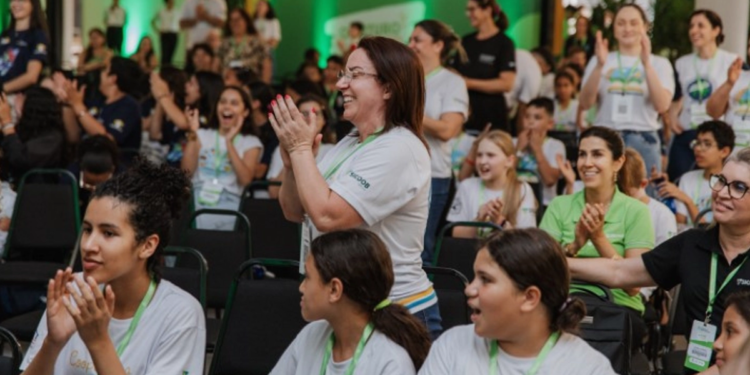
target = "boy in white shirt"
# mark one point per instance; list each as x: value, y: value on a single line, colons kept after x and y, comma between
x: 536, y: 152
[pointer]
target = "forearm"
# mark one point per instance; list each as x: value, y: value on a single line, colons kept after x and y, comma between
x: 465, y: 232
x: 289, y: 198
x: 243, y: 171
x: 549, y: 174
x: 21, y: 82
x: 187, y: 23
x: 214, y: 21
x: 467, y: 169
x: 156, y: 123
x: 604, y: 247
x: 174, y: 113
x: 267, y: 73
x: 313, y: 190
x: 660, y: 97
x: 718, y: 102
x: 589, y: 90
x: 44, y: 361
x: 105, y: 358
x: 72, y: 130
x: 440, y: 129
x: 190, y: 154
x: 90, y: 125
x: 489, y: 86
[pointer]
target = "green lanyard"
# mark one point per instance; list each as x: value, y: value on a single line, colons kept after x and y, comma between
x: 357, y: 353
x: 432, y: 73
x: 219, y: 158
x: 628, y: 77
x: 551, y: 341
x: 482, y: 232
x: 712, y: 293
x: 342, y: 158
x: 698, y: 79
x: 136, y: 318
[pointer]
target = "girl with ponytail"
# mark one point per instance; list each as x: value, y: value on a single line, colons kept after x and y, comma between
x: 355, y: 329
x: 523, y: 318
x: 490, y: 68
x: 446, y: 110
x: 136, y: 323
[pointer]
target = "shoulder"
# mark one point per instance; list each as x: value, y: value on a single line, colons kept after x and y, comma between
x: 691, y: 178
x: 726, y: 57
x: 250, y: 141
x: 471, y: 37
x: 451, y: 78
x: 572, y: 346
x: 458, y: 338
x: 659, y: 208
x: 318, y: 330
x: 564, y: 202
x: 401, y: 142
x: 177, y: 306
x: 629, y: 203
x: 660, y: 62
x: 683, y: 60
x: 469, y: 184
x: 389, y: 351
x: 553, y: 144
x: 129, y: 102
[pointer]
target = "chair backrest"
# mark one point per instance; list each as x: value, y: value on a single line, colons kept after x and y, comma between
x: 459, y: 253
x: 188, y: 274
x: 223, y: 250
x: 449, y: 286
x: 262, y: 318
x: 700, y: 216
x: 272, y: 234
x: 10, y: 365
x: 678, y: 324
x: 47, y: 202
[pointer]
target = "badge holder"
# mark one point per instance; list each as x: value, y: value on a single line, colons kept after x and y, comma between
x: 623, y: 107
x: 700, y: 347
x: 305, y: 241
x: 697, y: 114
x: 210, y: 193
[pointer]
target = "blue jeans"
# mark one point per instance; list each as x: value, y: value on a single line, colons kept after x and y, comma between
x: 681, y: 156
x: 438, y: 200
x: 648, y: 145
x: 431, y: 319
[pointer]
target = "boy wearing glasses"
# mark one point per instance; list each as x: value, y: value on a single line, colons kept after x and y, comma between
x: 713, y: 144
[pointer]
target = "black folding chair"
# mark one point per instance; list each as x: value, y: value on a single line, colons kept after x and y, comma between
x: 47, y: 204
x: 262, y: 318
x: 272, y: 234
x: 673, y: 360
x: 449, y: 286
x: 10, y: 365
x: 223, y: 250
x: 700, y: 217
x: 459, y: 253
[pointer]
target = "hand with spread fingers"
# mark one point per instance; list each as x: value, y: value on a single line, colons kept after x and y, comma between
x: 295, y: 132
x: 593, y: 220
x: 60, y: 324
x: 92, y: 310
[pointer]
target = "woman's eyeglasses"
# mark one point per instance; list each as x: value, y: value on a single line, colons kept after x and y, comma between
x: 737, y: 189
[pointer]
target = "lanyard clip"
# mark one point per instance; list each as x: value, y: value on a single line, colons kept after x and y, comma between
x: 708, y: 318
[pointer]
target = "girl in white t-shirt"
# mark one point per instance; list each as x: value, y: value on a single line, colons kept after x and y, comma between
x: 355, y: 327
x: 496, y: 195
x: 446, y: 109
x: 630, y: 86
x: 267, y: 24
x: 567, y: 116
x: 118, y: 316
x: 699, y: 74
x: 223, y: 157
x: 522, y: 315
x: 732, y: 100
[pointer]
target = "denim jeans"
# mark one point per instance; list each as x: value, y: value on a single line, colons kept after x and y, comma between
x: 438, y: 200
x: 431, y: 319
x: 681, y: 156
x: 648, y: 145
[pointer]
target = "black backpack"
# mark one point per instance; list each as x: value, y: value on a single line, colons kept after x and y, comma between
x: 606, y: 327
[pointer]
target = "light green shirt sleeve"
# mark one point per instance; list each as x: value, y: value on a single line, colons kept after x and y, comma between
x: 552, y: 220
x: 639, y: 229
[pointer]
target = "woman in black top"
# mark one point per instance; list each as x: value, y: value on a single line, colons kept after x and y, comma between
x: 491, y: 67
x: 23, y: 46
x: 583, y: 37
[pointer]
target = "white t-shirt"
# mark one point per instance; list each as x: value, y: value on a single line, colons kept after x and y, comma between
x: 468, y: 199
x: 528, y: 79
x: 7, y: 203
x: 268, y: 29
x: 169, y: 339
x: 305, y: 355
x: 548, y: 86
x: 387, y: 182
x: 526, y: 160
x: 208, y: 170
x: 738, y: 111
x: 665, y: 223
x: 277, y: 164
x: 199, y: 32
x: 446, y: 93
x: 565, y: 119
x: 699, y: 190
x: 460, y: 147
x: 713, y: 73
x: 642, y: 114
x: 169, y: 20
x: 460, y: 351
x: 115, y: 17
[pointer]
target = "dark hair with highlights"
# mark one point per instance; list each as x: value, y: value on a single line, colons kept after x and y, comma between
x: 715, y: 21
x: 157, y: 195
x: 361, y: 261
x: 440, y: 32
x: 530, y: 257
x: 402, y: 75
x: 501, y: 19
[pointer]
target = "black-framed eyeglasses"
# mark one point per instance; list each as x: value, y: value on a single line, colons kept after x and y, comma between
x: 737, y: 189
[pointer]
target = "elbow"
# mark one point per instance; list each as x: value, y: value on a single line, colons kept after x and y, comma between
x: 662, y: 107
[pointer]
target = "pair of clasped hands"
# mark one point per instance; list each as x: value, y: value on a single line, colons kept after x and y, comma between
x: 89, y: 315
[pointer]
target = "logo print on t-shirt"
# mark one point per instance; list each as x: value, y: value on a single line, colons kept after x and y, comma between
x: 7, y: 60
x: 695, y: 92
x: 486, y: 59
x: 117, y: 125
x: 742, y: 100
x: 620, y: 82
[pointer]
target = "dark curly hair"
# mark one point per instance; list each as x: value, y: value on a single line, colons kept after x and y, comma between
x: 157, y: 195
x: 41, y: 113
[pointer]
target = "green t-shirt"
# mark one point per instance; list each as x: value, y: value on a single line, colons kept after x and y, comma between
x: 627, y: 225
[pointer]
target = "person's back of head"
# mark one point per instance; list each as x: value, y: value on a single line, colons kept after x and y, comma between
x: 40, y: 113
x: 359, y: 260
x: 98, y: 154
x: 632, y: 175
x: 262, y: 94
x: 546, y: 56
x: 210, y: 86
x: 128, y: 74
x: 176, y: 80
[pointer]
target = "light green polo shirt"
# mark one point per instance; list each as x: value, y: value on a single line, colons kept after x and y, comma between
x: 627, y: 225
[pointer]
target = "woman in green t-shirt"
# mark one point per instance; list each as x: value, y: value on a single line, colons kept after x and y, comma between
x: 601, y: 221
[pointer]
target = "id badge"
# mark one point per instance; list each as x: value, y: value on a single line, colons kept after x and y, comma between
x: 210, y: 193
x: 700, y: 348
x: 623, y: 108
x: 742, y: 131
x: 305, y: 241
x: 697, y: 114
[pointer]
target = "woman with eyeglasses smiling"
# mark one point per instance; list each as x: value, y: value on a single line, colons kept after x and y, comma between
x: 710, y: 263
x: 377, y: 177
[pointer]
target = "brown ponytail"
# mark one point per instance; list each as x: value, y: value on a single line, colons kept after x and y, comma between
x: 361, y: 261
x: 451, y: 41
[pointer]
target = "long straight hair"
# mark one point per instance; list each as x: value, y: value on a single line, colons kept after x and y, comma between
x: 512, y: 194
